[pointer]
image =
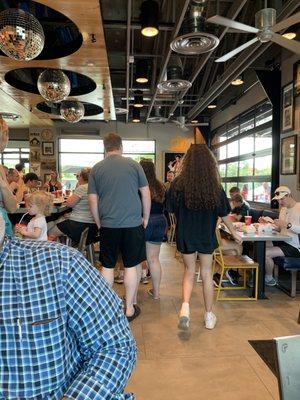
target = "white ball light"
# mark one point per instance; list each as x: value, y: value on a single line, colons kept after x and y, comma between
x: 21, y: 35
x: 54, y: 85
x: 72, y: 111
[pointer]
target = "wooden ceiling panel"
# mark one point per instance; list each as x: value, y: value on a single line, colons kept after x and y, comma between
x: 90, y: 60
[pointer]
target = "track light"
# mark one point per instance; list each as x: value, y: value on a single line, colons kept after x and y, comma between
x: 149, y: 18
x: 136, y: 115
x: 239, y: 80
x: 212, y: 106
x: 141, y: 75
x: 138, y: 99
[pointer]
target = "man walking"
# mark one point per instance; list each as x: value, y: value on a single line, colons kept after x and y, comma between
x: 120, y: 202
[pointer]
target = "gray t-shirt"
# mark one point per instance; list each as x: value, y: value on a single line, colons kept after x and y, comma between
x: 116, y: 180
x: 81, y: 211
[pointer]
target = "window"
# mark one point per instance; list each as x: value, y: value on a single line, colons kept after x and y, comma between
x: 75, y: 154
x: 244, y: 152
x: 16, y: 152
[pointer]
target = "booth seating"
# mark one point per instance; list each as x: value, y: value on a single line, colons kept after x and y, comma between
x: 256, y: 214
x: 292, y: 265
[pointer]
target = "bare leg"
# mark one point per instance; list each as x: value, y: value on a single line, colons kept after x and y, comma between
x: 108, y: 274
x: 152, y: 251
x: 206, y: 275
x: 272, y: 252
x: 138, y: 280
x: 229, y: 246
x: 54, y: 231
x: 130, y: 283
x: 189, y: 261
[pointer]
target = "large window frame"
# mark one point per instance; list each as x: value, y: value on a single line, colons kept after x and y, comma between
x: 17, y: 151
x: 234, y: 159
x: 69, y: 179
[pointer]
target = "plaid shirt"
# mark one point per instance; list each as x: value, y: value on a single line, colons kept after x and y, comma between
x: 63, y: 330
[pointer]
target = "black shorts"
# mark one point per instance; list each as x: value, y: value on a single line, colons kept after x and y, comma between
x: 287, y: 249
x: 74, y: 229
x: 130, y: 242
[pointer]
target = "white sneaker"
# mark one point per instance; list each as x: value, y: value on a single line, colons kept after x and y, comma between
x: 210, y: 320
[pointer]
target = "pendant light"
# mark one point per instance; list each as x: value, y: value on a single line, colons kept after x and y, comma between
x: 141, y: 74
x: 138, y: 99
x: 136, y: 115
x: 149, y: 18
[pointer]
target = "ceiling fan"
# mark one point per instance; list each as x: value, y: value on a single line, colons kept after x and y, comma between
x: 265, y: 29
x: 180, y: 122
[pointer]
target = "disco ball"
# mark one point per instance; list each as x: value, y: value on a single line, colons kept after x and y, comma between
x: 21, y: 35
x: 3, y: 134
x: 72, y: 111
x: 54, y: 85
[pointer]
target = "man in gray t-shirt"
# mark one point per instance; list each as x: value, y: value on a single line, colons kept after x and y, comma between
x: 120, y: 202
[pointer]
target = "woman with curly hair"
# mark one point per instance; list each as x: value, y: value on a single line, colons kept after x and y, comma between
x: 197, y: 198
x: 156, y: 227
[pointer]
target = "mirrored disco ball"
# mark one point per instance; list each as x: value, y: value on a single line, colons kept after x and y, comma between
x: 21, y: 35
x: 72, y: 111
x: 54, y: 85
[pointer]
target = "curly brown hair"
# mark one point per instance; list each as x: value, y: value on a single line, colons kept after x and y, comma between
x: 157, y: 189
x: 199, y: 180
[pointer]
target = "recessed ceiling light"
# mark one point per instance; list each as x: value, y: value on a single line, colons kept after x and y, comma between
x: 237, y: 81
x: 289, y: 35
x: 212, y: 106
x: 90, y: 64
x: 194, y: 121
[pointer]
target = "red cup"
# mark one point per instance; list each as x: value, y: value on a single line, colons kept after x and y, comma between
x: 59, y: 193
x: 248, y: 219
x: 232, y: 217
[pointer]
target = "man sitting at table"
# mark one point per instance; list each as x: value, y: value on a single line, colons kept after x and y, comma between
x: 232, y: 192
x: 287, y: 224
x: 240, y: 207
x: 63, y: 330
x: 31, y: 181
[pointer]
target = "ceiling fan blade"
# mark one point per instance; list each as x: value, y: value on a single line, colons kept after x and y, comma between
x: 218, y: 20
x: 294, y: 19
x: 236, y: 51
x: 291, y: 45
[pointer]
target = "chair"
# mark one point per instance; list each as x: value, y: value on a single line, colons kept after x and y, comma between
x: 86, y: 249
x: 292, y: 265
x: 171, y: 238
x: 227, y: 262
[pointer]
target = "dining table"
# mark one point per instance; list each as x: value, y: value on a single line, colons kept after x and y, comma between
x: 259, y: 240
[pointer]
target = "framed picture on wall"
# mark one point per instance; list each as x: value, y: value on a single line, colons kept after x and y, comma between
x: 48, y: 148
x: 172, y: 162
x: 288, y: 155
x: 287, y: 108
x: 296, y: 79
x: 296, y: 105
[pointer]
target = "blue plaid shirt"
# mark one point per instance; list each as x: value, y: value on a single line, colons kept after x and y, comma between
x: 62, y: 329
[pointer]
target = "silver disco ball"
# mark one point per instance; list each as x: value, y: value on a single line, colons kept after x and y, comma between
x: 21, y: 35
x: 54, y: 85
x: 72, y: 111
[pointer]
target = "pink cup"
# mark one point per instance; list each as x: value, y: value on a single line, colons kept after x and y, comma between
x: 248, y: 219
x: 232, y: 217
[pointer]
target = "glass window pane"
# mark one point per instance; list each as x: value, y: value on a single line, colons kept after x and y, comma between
x: 232, y: 169
x: 139, y: 157
x: 222, y: 152
x: 262, y: 192
x: 11, y: 156
x: 229, y: 185
x: 233, y: 149
x: 81, y: 145
x: 246, y: 167
x: 263, y: 165
x: 222, y: 170
x: 9, y: 163
x: 138, y: 146
x: 246, y: 126
x: 246, y: 190
x: 247, y: 145
x: 263, y: 140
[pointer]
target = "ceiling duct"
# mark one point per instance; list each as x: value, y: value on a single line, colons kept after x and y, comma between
x: 157, y: 118
x: 195, y: 39
x: 174, y: 82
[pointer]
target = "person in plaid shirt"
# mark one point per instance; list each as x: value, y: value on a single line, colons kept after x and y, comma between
x: 63, y: 330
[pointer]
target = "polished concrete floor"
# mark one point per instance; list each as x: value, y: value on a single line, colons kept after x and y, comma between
x: 218, y: 364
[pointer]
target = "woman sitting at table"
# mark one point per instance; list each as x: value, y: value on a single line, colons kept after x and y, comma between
x: 80, y: 217
x: 53, y: 184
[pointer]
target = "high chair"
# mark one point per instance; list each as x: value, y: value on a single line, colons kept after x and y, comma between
x: 227, y: 262
x: 171, y: 238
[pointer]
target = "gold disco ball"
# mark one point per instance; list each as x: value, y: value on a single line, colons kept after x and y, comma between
x: 3, y: 134
x: 21, y: 35
x: 54, y: 85
x: 72, y: 111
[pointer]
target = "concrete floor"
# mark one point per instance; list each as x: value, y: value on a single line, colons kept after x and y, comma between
x: 202, y: 364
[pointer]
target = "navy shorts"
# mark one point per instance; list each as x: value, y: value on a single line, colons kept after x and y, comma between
x: 156, y: 229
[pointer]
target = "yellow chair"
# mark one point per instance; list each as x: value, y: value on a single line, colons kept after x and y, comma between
x: 227, y: 262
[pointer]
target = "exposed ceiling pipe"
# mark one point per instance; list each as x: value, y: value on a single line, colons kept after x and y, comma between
x: 232, y: 14
x: 245, y: 59
x: 128, y: 32
x: 165, y: 63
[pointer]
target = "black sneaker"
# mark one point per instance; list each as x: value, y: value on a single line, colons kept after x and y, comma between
x: 232, y: 276
x: 216, y: 279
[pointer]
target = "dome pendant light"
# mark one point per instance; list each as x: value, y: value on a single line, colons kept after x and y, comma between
x: 136, y: 115
x: 138, y: 99
x: 149, y: 18
x: 141, y: 75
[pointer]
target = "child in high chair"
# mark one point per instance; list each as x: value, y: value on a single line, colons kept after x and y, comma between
x: 39, y: 205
